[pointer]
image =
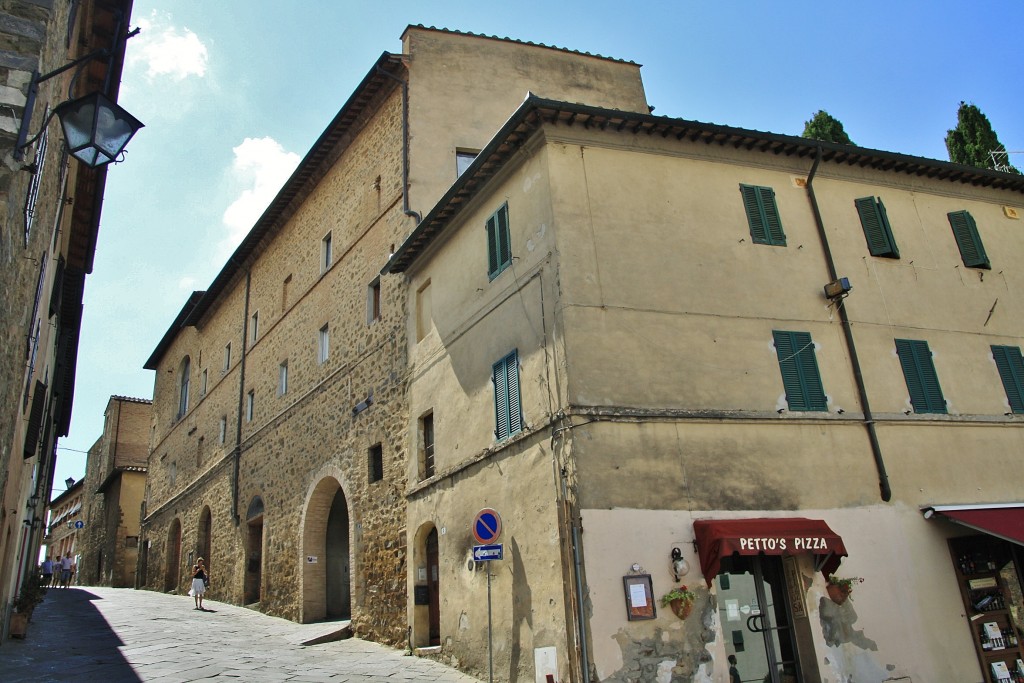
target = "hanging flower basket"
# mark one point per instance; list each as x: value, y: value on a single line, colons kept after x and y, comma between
x: 839, y: 590
x: 680, y: 600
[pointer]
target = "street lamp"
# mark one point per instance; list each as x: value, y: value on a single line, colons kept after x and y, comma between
x: 95, y: 127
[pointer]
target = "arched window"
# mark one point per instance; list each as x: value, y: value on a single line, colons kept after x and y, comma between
x: 183, y: 373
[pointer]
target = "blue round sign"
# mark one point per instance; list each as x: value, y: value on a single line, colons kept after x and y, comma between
x: 487, y: 526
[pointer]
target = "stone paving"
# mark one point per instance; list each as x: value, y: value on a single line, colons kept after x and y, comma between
x: 121, y: 635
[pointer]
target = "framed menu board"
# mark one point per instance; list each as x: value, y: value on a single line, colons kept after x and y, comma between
x: 639, y: 597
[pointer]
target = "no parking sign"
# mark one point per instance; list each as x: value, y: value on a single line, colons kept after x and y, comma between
x: 487, y: 526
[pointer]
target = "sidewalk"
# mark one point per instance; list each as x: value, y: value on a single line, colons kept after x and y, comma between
x: 121, y: 635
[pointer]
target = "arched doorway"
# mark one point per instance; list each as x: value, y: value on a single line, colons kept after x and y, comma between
x: 203, y: 536
x: 254, y: 552
x: 427, y: 588
x: 172, y: 570
x: 327, y: 574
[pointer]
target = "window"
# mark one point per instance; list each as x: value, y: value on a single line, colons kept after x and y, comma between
x: 282, y: 378
x: 1011, y: 371
x: 763, y: 215
x: 183, y: 373
x: 326, y: 253
x: 463, y: 160
x: 919, y: 371
x: 254, y: 327
x: 799, y: 368
x: 199, y: 450
x: 284, y: 292
x: 877, y: 230
x: 499, y: 247
x: 323, y: 350
x: 250, y: 404
x: 508, y: 414
x: 33, y: 186
x: 173, y: 474
x: 227, y: 357
x: 222, y: 430
x: 376, y: 459
x: 202, y: 382
x: 35, y: 308
x: 427, y: 450
x: 965, y: 230
x: 373, y: 301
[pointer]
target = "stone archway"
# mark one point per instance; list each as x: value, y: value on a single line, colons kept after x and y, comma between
x: 172, y: 568
x: 253, y: 584
x: 203, y: 537
x: 426, y: 610
x: 327, y: 552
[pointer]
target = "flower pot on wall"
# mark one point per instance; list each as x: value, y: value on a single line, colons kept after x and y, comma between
x: 681, y: 608
x: 838, y: 593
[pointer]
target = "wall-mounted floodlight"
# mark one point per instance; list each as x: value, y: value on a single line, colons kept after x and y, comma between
x: 838, y: 288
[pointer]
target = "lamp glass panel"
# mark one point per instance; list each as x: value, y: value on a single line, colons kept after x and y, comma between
x: 78, y: 123
x: 112, y: 131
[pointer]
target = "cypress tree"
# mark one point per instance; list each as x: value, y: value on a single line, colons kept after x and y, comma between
x: 824, y: 126
x: 972, y: 142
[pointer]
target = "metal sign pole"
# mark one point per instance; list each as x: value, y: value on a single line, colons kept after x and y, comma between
x: 490, y: 648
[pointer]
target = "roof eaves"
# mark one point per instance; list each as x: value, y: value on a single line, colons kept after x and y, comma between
x: 172, y: 331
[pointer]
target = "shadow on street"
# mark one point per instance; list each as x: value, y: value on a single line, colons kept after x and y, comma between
x: 68, y: 639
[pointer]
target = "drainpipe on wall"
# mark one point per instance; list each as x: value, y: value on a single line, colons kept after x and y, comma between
x: 844, y: 319
x: 236, y: 455
x: 405, y: 143
x: 577, y: 572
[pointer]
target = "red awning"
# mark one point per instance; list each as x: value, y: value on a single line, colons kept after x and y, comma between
x: 1004, y: 521
x: 718, y: 538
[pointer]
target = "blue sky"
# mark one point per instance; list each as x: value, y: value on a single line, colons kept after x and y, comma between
x: 234, y: 92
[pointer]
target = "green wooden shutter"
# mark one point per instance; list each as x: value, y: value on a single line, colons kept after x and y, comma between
x: 919, y: 372
x: 504, y: 241
x: 877, y: 230
x: 762, y: 215
x: 508, y: 417
x: 799, y: 368
x: 965, y: 230
x: 1011, y: 372
x: 499, y: 244
x: 492, y: 246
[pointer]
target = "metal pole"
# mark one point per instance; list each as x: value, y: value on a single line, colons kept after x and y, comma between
x: 490, y: 648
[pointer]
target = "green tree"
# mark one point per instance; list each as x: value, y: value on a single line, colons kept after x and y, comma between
x: 824, y: 126
x: 972, y: 142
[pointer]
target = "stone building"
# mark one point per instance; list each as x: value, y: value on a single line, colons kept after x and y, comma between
x: 666, y: 352
x: 65, y: 524
x: 50, y: 209
x: 280, y: 413
x: 115, y: 484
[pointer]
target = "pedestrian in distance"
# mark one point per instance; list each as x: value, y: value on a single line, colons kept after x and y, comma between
x: 55, y: 581
x: 200, y: 580
x: 47, y: 570
x: 734, y: 673
x: 65, y: 571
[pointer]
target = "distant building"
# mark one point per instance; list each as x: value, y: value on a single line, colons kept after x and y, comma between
x: 115, y: 485
x: 639, y: 353
x: 50, y: 207
x: 65, y: 524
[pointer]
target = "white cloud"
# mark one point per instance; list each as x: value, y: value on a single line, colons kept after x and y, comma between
x: 262, y: 166
x: 167, y: 50
x: 187, y: 283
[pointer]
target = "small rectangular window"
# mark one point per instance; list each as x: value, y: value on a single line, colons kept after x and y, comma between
x: 763, y: 215
x: 199, y: 451
x: 173, y: 474
x: 250, y: 404
x: 254, y: 327
x: 427, y: 448
x: 965, y: 231
x: 463, y: 160
x: 222, y: 430
x: 326, y: 253
x: 373, y: 301
x: 877, y: 230
x: 227, y: 357
x: 202, y: 383
x: 131, y: 541
x: 799, y: 368
x: 376, y: 461
x: 919, y: 372
x: 323, y: 350
x: 1011, y: 372
x: 282, y: 378
x: 499, y: 244
x: 507, y: 405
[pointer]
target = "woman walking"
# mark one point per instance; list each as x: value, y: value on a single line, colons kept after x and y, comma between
x: 200, y: 579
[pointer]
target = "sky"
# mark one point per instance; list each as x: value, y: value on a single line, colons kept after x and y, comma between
x: 234, y: 92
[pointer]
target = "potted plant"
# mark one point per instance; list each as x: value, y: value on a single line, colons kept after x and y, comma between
x: 839, y: 589
x: 680, y: 600
x: 32, y: 593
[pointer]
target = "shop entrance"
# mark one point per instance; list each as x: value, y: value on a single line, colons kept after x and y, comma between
x: 757, y: 619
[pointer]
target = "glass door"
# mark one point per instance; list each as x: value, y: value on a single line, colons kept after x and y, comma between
x: 757, y: 620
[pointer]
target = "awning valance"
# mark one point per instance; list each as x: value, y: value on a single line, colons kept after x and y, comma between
x: 718, y: 538
x: 1002, y: 520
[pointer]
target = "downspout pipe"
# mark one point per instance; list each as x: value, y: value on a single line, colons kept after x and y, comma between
x: 405, y: 143
x: 237, y: 451
x: 844, y: 319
